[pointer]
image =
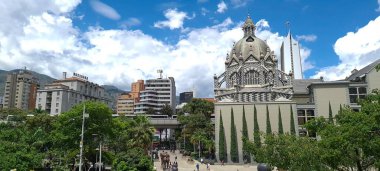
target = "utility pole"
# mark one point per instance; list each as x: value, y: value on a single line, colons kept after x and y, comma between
x: 81, y: 139
x: 100, y: 155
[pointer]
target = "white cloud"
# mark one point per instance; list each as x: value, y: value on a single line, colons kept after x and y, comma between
x: 239, y: 3
x: 104, y: 9
x: 355, y: 50
x: 175, y: 19
x: 130, y: 22
x: 378, y: 9
x: 117, y: 56
x: 204, y: 11
x: 306, y: 38
x: 222, y: 7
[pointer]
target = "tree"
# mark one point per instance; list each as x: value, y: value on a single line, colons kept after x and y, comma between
x: 331, y: 121
x: 67, y: 129
x: 150, y: 111
x: 167, y: 110
x: 256, y: 129
x: 234, y: 144
x: 246, y: 155
x: 280, y: 127
x: 269, y: 127
x: 292, y: 126
x: 222, y: 140
x: 199, y: 106
x: 140, y: 133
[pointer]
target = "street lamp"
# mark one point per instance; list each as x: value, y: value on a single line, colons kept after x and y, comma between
x: 84, y: 115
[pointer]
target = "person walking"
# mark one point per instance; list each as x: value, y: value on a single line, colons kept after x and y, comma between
x: 208, y: 166
x: 197, y: 166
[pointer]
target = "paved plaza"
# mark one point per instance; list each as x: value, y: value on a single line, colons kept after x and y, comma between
x: 185, y: 165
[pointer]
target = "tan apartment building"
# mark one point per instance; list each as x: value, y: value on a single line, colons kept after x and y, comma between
x: 125, y: 103
x: 20, y: 90
x: 62, y: 95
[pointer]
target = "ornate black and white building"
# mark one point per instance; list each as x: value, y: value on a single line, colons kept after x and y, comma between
x: 251, y: 73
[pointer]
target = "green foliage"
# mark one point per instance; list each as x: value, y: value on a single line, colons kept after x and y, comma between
x: 280, y: 127
x: 378, y: 67
x: 134, y: 159
x: 167, y: 110
x: 198, y: 122
x: 234, y: 143
x: 292, y: 124
x: 269, y: 127
x: 222, y: 140
x: 256, y: 129
x: 42, y: 140
x: 199, y: 106
x: 246, y: 154
x: 150, y: 111
x: 331, y: 120
x: 290, y: 152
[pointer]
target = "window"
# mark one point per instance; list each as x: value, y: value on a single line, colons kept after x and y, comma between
x: 356, y: 93
x: 303, y: 116
x: 58, y: 92
x: 251, y: 77
x: 57, y: 104
x: 56, y: 110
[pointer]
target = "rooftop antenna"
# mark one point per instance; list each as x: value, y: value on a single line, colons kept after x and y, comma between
x: 160, y: 72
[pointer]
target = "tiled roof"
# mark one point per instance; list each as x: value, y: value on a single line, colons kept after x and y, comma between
x: 363, y: 71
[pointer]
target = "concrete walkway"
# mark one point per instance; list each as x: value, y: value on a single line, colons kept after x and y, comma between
x: 185, y: 165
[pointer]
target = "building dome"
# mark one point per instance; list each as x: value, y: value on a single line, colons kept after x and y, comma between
x: 249, y: 45
x: 251, y: 72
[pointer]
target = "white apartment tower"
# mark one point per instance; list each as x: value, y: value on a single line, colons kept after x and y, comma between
x: 290, y: 60
x: 157, y: 93
x: 62, y: 95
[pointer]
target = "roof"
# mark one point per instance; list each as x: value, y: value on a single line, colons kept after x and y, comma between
x: 300, y: 85
x: 363, y: 71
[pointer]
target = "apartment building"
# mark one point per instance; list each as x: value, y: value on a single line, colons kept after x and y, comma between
x: 157, y: 93
x: 62, y: 95
x: 20, y: 90
x: 125, y: 104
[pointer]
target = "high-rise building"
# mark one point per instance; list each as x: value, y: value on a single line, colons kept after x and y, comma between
x: 290, y: 60
x: 185, y: 97
x: 20, y: 90
x: 1, y: 102
x: 125, y: 104
x: 158, y: 92
x: 136, y: 88
x: 63, y: 94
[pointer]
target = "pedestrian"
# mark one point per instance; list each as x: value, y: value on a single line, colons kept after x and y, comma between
x: 175, y: 158
x: 197, y: 166
x: 222, y: 162
x: 208, y: 166
x: 201, y: 160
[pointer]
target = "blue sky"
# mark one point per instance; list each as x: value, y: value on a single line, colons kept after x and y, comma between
x: 119, y: 41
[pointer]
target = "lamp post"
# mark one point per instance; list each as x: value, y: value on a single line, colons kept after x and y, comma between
x: 84, y: 115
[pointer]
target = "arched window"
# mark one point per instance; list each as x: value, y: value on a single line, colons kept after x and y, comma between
x: 251, y: 77
x: 233, y: 79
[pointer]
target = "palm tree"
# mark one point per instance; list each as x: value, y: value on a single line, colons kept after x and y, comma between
x: 141, y: 132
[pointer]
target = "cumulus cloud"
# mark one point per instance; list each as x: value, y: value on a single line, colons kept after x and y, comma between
x: 355, y: 50
x: 175, y: 19
x: 222, y: 7
x: 117, y: 56
x: 104, y: 9
x: 306, y: 38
